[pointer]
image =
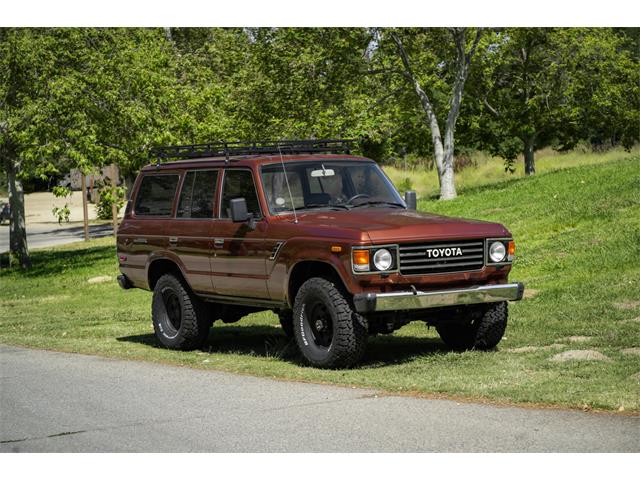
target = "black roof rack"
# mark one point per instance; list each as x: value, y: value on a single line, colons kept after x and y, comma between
x: 226, y: 149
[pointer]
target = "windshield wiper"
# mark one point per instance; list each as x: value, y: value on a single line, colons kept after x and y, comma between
x: 324, y: 205
x: 379, y: 202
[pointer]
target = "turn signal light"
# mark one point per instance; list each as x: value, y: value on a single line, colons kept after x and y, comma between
x: 361, y: 260
x: 511, y: 250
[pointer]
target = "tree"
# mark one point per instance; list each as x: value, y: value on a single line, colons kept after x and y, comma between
x: 552, y: 86
x: 21, y: 77
x: 435, y: 64
x: 80, y: 98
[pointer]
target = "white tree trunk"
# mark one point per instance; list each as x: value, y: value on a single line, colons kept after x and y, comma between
x: 443, y: 152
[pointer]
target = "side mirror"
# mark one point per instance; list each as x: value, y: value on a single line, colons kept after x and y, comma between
x: 411, y: 200
x: 239, y: 211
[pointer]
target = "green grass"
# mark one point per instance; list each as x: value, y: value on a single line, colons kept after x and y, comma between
x: 490, y: 170
x: 578, y: 236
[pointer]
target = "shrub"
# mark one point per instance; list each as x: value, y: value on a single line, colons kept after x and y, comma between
x: 108, y: 196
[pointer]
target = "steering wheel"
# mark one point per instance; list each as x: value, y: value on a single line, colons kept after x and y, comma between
x: 359, y: 195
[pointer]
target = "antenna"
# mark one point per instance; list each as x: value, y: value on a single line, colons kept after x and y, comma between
x: 286, y: 179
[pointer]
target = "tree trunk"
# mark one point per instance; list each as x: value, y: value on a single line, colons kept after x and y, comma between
x: 529, y: 151
x: 443, y: 153
x: 17, y: 228
x: 85, y: 208
x: 447, y: 184
x: 114, y: 208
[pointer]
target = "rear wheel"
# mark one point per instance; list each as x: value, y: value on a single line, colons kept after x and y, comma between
x: 327, y: 331
x: 180, y: 320
x: 483, y: 330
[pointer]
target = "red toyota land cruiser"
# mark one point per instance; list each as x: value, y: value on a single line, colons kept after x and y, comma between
x: 317, y: 235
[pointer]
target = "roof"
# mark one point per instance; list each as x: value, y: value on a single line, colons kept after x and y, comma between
x: 248, y: 160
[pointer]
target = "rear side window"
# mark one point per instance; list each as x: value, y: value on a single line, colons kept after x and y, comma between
x: 198, y: 191
x: 237, y: 184
x: 156, y: 195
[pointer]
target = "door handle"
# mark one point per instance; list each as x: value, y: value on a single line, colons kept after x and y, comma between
x: 218, y: 242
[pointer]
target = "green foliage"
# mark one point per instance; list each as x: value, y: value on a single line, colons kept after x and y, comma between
x: 553, y: 86
x: 87, y: 97
x: 61, y: 213
x: 109, y: 196
x: 405, y: 185
x: 61, y: 192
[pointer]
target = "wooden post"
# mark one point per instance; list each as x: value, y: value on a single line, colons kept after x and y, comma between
x: 114, y: 209
x: 85, y: 208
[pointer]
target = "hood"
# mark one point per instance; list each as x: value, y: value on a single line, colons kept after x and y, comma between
x: 391, y: 225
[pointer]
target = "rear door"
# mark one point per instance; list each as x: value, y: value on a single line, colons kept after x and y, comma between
x: 239, y: 253
x: 145, y: 227
x: 191, y: 229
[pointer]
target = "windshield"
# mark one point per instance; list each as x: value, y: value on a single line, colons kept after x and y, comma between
x: 328, y: 184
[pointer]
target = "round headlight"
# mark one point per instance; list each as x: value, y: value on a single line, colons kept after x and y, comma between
x: 382, y: 259
x: 497, y: 252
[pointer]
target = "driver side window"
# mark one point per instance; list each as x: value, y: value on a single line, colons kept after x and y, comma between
x: 237, y: 184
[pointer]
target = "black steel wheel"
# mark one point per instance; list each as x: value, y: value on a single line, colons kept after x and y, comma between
x: 180, y: 320
x: 327, y: 331
x: 483, y: 330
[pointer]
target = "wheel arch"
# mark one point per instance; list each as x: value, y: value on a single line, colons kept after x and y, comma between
x: 306, y: 269
x: 160, y: 266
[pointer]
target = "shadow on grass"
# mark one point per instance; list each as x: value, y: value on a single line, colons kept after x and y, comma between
x: 270, y: 342
x: 52, y: 262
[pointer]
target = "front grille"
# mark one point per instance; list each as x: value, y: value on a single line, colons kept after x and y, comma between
x: 441, y: 257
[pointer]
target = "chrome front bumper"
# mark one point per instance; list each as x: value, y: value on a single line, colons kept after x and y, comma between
x: 396, y: 301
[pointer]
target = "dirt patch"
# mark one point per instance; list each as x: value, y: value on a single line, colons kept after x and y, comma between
x: 580, y: 355
x: 531, y: 348
x: 525, y: 349
x: 530, y: 293
x: 636, y: 377
x: 100, y: 279
x: 579, y: 338
x: 631, y: 351
x: 629, y: 305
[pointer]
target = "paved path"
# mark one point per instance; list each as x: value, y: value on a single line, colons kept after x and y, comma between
x: 45, y: 235
x: 55, y: 402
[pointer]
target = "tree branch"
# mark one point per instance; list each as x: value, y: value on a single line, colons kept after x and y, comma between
x: 378, y: 71
x: 424, y: 100
x: 490, y: 108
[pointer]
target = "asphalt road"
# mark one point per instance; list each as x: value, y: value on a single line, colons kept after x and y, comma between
x: 56, y: 402
x: 46, y: 235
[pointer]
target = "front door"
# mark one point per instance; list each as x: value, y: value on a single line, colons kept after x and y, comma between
x: 239, y: 257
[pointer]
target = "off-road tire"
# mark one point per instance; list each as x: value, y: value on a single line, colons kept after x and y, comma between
x: 348, y: 333
x: 170, y: 294
x: 286, y: 321
x: 482, y: 332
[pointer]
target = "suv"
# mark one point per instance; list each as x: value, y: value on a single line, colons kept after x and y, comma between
x: 315, y: 234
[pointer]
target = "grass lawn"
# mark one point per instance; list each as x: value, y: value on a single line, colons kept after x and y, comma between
x: 578, y: 236
x: 490, y: 170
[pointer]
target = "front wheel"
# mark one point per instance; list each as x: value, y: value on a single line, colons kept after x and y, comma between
x: 327, y: 331
x: 179, y: 318
x: 483, y: 330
